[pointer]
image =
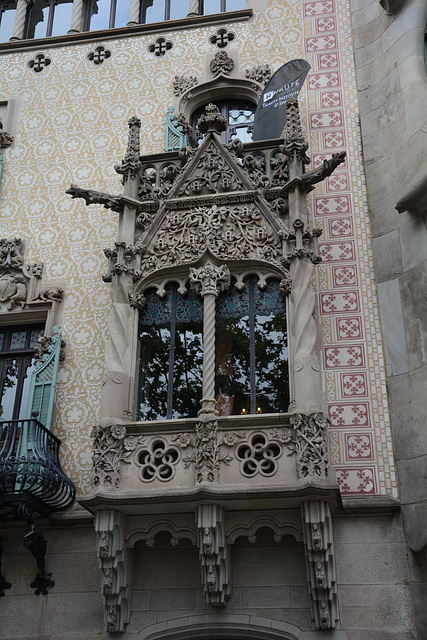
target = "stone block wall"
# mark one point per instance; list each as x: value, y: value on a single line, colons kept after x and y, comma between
x: 392, y: 82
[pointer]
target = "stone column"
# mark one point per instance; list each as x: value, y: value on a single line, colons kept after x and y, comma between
x: 22, y: 7
x: 77, y: 17
x: 119, y: 382
x: 134, y: 13
x: 194, y: 8
x: 209, y: 281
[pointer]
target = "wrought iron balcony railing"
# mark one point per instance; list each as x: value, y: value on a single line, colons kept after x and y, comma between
x: 31, y: 478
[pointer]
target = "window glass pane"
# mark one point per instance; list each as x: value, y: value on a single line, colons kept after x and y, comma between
x: 38, y: 17
x: 18, y: 340
x: 211, y: 6
x: 235, y: 5
x: 232, y: 366
x: 36, y: 333
x: 1, y: 341
x: 179, y: 9
x: 122, y: 13
x: 271, y: 351
x: 99, y: 15
x: 171, y: 334
x: 7, y: 21
x: 62, y: 17
x: 152, y: 11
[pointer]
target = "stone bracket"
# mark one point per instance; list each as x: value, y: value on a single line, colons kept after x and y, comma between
x: 320, y: 561
x: 214, y: 554
x: 115, y: 563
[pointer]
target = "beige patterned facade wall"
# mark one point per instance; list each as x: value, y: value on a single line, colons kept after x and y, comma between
x: 72, y: 128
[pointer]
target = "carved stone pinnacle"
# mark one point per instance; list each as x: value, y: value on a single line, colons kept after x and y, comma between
x: 212, y: 120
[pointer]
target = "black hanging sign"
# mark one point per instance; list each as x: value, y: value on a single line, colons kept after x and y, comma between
x: 286, y: 83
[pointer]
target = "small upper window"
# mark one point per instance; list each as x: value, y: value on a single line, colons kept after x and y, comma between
x: 48, y: 18
x: 7, y: 19
x: 17, y: 350
x: 240, y: 120
x: 218, y: 6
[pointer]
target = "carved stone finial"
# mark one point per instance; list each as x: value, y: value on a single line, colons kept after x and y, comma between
x: 261, y: 73
x: 294, y: 142
x: 210, y: 279
x: 182, y: 83
x: 130, y: 163
x: 221, y: 63
x: 212, y: 120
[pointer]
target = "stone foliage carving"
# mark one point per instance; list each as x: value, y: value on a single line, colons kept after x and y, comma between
x: 221, y: 64
x: 115, y: 569
x: 206, y: 454
x: 320, y: 560
x: 230, y: 233
x: 261, y: 73
x: 214, y: 554
x: 111, y: 447
x: 182, y: 83
x: 210, y: 279
x: 311, y: 445
x: 121, y: 260
x: 211, y: 120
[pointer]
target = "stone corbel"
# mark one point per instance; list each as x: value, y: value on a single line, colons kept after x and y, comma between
x: 320, y: 560
x: 214, y: 554
x: 116, y: 566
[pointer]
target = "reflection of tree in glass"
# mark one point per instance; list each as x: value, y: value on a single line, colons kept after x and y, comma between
x: 188, y: 370
x: 155, y: 343
x: 272, y: 376
x: 236, y: 382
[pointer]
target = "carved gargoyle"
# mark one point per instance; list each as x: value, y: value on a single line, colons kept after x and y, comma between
x: 96, y: 197
x: 324, y: 170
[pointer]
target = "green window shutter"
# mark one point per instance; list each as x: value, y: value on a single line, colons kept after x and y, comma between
x: 43, y: 381
x: 175, y: 137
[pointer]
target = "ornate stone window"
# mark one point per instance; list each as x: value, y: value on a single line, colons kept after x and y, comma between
x: 7, y: 19
x: 48, y: 18
x: 239, y: 115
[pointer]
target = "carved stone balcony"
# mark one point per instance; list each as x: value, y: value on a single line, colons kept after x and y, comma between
x: 31, y: 478
x: 234, y: 460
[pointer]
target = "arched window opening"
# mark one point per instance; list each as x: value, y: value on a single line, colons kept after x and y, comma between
x: 49, y: 18
x: 7, y: 19
x: 251, y: 362
x: 171, y: 339
x: 240, y: 118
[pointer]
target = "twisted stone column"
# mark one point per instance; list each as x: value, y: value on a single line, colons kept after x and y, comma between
x: 21, y: 13
x: 194, y: 8
x: 77, y: 17
x: 209, y: 281
x: 134, y: 13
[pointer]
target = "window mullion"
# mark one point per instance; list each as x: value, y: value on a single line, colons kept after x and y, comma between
x: 112, y: 14
x: 51, y: 14
x: 171, y: 354
x: 252, y: 344
x: 167, y: 9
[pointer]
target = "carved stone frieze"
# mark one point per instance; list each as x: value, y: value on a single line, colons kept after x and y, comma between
x: 111, y: 447
x: 230, y: 233
x: 115, y: 565
x: 320, y: 560
x: 11, y: 254
x: 214, y: 554
x: 311, y: 444
x: 221, y: 63
x: 182, y: 83
x: 261, y: 73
